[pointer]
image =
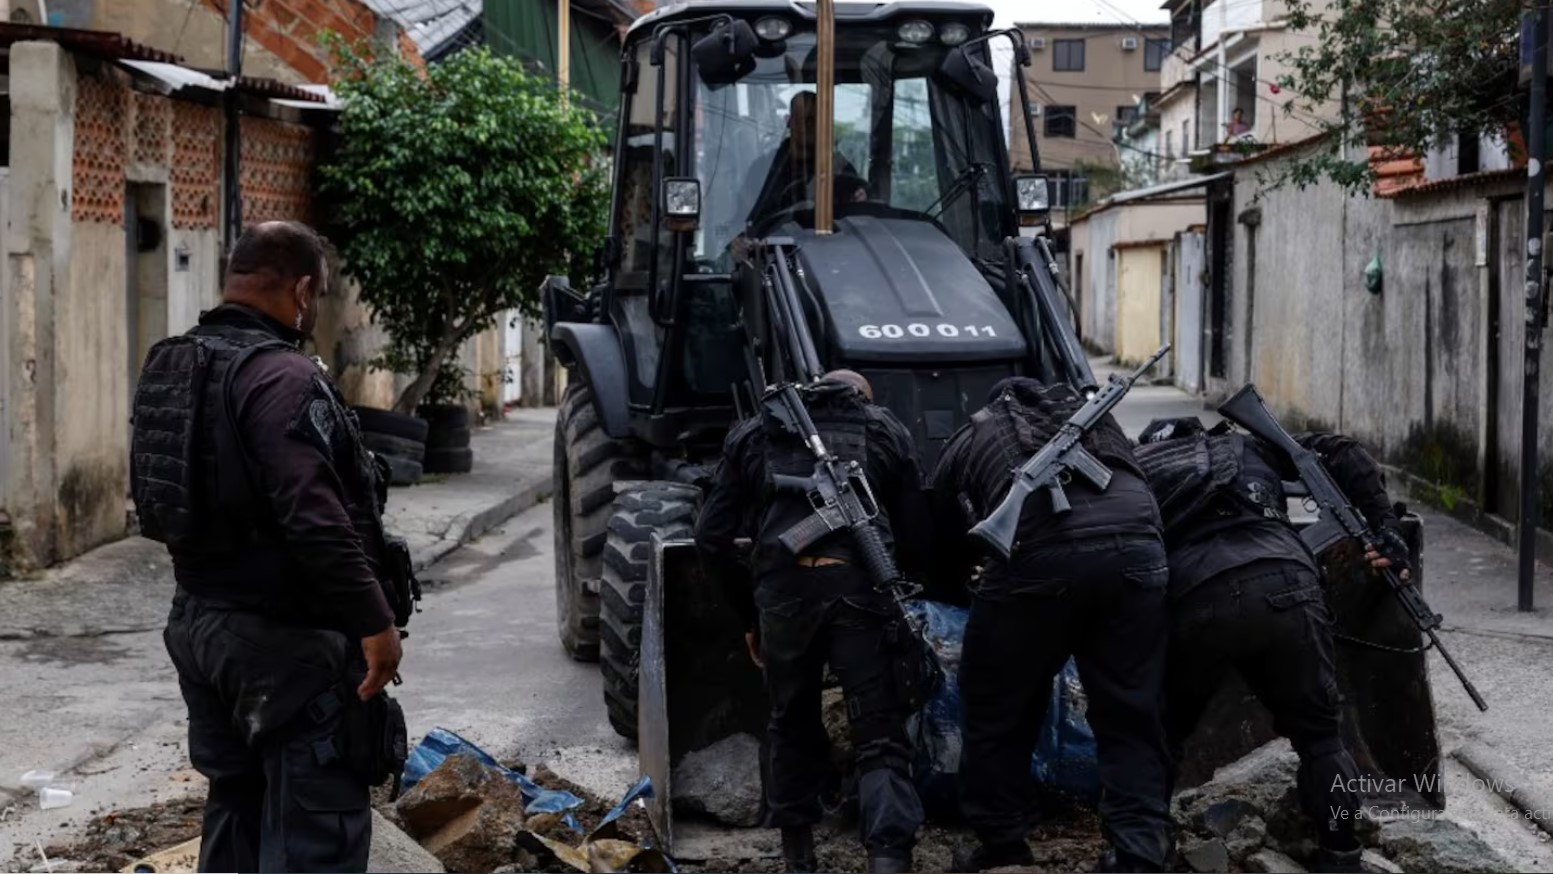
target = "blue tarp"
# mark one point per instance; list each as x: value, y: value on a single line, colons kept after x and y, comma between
x: 440, y: 743
x: 1064, y: 760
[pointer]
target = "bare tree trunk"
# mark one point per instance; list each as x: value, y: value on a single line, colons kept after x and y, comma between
x: 411, y: 398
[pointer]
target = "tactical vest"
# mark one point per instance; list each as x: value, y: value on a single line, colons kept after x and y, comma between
x: 1021, y: 420
x: 190, y: 476
x: 841, y: 417
x: 1208, y: 483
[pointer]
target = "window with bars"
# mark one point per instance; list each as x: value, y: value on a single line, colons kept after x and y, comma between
x: 1068, y: 55
x: 1061, y: 122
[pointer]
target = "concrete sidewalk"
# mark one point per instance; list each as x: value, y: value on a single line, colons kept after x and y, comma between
x: 86, y: 688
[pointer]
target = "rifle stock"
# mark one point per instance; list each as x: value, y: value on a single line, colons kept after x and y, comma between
x: 1339, y: 518
x: 1063, y: 453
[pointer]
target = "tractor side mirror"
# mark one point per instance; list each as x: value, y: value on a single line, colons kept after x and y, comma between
x: 682, y: 203
x: 970, y: 76
x: 727, y: 54
x: 1034, y: 199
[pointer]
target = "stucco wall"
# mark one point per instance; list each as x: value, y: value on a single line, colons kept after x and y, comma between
x: 91, y: 435
x: 1428, y: 371
x: 1093, y: 237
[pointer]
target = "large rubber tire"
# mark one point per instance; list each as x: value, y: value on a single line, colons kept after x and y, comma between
x: 392, y: 424
x: 587, y: 465
x: 403, y: 471
x: 664, y: 508
x: 449, y: 460
x: 452, y: 438
x: 445, y: 416
x: 397, y: 447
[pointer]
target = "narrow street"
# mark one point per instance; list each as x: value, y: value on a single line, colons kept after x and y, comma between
x: 98, y: 700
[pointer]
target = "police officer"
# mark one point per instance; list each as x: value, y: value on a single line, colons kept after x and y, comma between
x: 1246, y: 594
x: 1088, y: 584
x: 249, y: 466
x: 819, y: 607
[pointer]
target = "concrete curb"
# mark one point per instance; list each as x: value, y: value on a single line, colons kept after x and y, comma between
x: 469, y: 526
x: 1509, y: 781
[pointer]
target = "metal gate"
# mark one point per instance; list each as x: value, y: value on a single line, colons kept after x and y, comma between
x: 1189, y: 324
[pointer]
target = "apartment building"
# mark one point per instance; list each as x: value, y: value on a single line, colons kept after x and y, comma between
x: 1220, y: 83
x: 1085, y: 84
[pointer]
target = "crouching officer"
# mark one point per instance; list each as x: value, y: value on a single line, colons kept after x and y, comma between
x: 821, y: 607
x: 248, y: 465
x: 1246, y: 594
x: 1088, y: 584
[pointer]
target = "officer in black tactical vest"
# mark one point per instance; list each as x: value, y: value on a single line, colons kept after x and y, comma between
x: 1088, y: 584
x: 1246, y: 594
x: 249, y: 466
x: 822, y: 607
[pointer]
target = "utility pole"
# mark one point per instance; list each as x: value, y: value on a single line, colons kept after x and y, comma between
x: 563, y: 49
x: 234, y: 69
x: 1536, y: 301
x: 825, y: 116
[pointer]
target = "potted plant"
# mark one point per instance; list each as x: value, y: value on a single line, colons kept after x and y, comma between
x: 454, y: 192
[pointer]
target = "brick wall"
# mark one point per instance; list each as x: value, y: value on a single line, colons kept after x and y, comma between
x: 196, y: 168
x: 277, y: 160
x: 291, y: 28
x: 102, y: 125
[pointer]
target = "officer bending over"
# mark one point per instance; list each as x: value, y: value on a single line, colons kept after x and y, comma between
x: 249, y: 466
x: 1089, y: 584
x: 821, y: 607
x: 1245, y: 593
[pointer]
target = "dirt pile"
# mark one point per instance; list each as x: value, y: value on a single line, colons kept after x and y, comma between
x: 117, y: 838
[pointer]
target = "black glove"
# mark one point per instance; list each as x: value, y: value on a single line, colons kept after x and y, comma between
x: 1391, y: 545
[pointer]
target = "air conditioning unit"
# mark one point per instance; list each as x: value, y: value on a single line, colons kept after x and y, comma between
x: 1038, y: 43
x: 1129, y: 43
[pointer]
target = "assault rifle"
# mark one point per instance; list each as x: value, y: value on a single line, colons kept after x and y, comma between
x: 837, y: 490
x: 1338, y: 517
x: 842, y: 499
x: 1054, y: 464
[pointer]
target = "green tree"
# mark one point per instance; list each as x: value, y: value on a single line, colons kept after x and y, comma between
x: 1403, y: 75
x: 453, y: 192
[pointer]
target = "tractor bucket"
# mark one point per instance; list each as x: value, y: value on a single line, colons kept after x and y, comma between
x: 697, y: 684
x: 1388, y: 711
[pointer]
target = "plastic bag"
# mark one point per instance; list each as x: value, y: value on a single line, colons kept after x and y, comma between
x: 440, y: 743
x: 1065, y: 758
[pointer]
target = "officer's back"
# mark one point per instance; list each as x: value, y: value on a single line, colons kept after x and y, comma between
x: 249, y: 467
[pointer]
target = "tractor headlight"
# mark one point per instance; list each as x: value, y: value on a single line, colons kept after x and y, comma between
x: 916, y: 31
x: 954, y: 33
x: 772, y: 29
x: 1034, y: 197
x: 682, y: 203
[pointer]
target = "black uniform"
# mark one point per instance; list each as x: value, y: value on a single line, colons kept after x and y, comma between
x: 250, y: 467
x: 811, y: 615
x: 1246, y: 594
x: 1089, y: 584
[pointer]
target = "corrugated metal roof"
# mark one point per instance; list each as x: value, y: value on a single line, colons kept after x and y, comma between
x: 101, y: 43
x: 174, y: 78
x: 429, y: 23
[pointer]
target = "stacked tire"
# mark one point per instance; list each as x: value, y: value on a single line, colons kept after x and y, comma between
x: 398, y: 438
x: 447, y: 438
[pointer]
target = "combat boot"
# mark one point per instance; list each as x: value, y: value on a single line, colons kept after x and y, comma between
x: 798, y: 850
x: 984, y: 856
x: 1328, y: 860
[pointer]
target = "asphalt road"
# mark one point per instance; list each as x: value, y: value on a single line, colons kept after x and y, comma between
x: 483, y: 660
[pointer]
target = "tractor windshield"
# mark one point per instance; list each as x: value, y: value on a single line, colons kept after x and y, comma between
x: 905, y: 144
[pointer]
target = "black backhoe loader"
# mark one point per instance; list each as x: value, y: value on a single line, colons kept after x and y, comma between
x: 737, y: 259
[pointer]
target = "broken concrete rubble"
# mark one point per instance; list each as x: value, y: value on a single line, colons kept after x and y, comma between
x: 1439, y: 846
x: 1273, y: 862
x: 394, y: 852
x: 722, y: 781
x: 1248, y: 817
x: 465, y: 813
x: 1374, y: 863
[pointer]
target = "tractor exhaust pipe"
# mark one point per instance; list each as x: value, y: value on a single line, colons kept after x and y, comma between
x: 825, y: 117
